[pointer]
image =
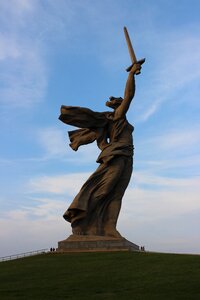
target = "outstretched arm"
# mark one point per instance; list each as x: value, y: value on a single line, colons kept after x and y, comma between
x: 128, y: 93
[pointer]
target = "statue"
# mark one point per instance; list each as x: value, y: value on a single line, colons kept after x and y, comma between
x: 95, y: 209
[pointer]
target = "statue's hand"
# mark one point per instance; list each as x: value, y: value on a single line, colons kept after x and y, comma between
x: 135, y: 68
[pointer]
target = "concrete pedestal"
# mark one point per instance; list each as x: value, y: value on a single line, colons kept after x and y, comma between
x: 84, y: 243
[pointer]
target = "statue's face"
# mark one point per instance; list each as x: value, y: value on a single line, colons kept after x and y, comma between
x: 114, y: 102
x: 109, y: 104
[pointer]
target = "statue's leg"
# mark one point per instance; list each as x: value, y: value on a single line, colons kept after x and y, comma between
x: 111, y: 219
x: 113, y: 209
x: 101, y: 197
x: 101, y: 194
x: 78, y: 227
x: 79, y: 213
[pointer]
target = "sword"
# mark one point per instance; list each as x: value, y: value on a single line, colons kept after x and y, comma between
x: 132, y: 53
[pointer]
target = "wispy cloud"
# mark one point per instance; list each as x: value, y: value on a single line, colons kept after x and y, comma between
x: 185, y: 166
x: 23, y: 71
x: 174, y: 52
x: 41, y: 225
x: 53, y: 140
x: 23, y: 80
x: 152, y: 181
x: 33, y: 227
x: 174, y: 150
x: 163, y: 193
x: 174, y: 139
x: 146, y: 186
x: 45, y: 208
x: 185, y: 138
x: 59, y: 184
x: 55, y: 143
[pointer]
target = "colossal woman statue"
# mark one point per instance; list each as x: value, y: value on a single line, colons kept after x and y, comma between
x: 95, y: 209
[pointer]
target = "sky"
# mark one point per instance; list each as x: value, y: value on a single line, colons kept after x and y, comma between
x: 74, y: 53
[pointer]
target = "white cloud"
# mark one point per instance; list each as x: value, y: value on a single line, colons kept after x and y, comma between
x: 27, y: 29
x: 59, y: 184
x: 54, y: 141
x: 44, y: 208
x: 16, y: 10
x: 31, y: 234
x: 173, y: 139
x: 141, y: 177
x: 145, y: 212
x: 161, y: 195
x: 32, y: 227
x: 8, y: 48
x: 23, y: 79
x: 19, y: 6
x: 23, y: 71
x: 162, y: 218
x: 175, y: 53
x: 146, y: 205
x: 150, y: 111
x: 176, y: 139
x: 173, y: 150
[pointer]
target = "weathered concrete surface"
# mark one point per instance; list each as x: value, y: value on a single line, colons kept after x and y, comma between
x: 84, y: 243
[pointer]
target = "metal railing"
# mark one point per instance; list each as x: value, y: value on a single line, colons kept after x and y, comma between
x: 21, y: 255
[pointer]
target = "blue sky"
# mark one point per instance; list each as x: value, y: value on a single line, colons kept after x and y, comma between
x: 74, y: 53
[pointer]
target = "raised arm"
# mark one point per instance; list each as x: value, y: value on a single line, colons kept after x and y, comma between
x: 128, y: 93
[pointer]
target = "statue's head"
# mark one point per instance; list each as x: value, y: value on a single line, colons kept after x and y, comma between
x: 114, y: 102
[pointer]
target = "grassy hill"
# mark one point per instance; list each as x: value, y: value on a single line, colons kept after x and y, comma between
x: 117, y: 275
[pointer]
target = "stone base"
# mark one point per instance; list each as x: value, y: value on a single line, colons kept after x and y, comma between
x: 86, y: 243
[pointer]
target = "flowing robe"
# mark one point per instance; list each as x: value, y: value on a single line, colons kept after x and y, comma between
x: 95, y: 209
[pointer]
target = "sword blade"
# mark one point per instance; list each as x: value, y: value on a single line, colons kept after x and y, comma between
x: 130, y: 47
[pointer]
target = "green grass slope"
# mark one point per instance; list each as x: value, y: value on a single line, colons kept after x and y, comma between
x: 117, y: 275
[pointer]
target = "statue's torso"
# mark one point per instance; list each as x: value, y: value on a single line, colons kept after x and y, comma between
x: 118, y: 139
